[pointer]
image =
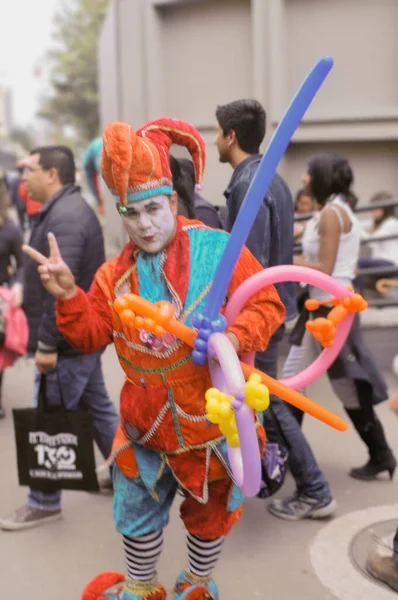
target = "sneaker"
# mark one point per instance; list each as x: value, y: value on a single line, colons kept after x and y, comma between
x: 299, y: 506
x: 100, y: 588
x: 189, y: 587
x: 384, y: 569
x: 27, y: 517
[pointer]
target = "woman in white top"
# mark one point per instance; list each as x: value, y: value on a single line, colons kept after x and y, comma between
x: 331, y: 244
x: 383, y: 253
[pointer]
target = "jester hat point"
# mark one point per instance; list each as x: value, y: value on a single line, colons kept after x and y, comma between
x: 136, y: 165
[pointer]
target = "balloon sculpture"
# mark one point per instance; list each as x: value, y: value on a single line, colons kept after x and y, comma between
x: 238, y: 388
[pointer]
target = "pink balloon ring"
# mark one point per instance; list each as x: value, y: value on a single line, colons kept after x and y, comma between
x: 298, y: 274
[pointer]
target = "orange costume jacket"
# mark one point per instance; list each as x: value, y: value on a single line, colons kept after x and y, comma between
x: 163, y: 399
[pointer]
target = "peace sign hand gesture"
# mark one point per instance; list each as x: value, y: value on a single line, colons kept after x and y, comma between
x: 55, y: 274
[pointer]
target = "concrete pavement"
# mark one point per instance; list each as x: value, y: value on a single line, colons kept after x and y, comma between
x: 264, y: 557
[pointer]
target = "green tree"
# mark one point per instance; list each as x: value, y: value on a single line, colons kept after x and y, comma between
x: 73, y: 99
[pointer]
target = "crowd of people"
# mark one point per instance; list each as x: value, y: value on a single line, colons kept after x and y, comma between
x: 162, y: 442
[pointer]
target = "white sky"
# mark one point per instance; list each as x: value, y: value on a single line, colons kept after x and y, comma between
x: 26, y: 28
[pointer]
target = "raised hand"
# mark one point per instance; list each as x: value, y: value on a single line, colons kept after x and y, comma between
x: 55, y: 274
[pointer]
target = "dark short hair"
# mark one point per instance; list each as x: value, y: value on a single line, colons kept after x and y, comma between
x: 184, y: 187
x: 188, y: 168
x: 330, y: 174
x: 247, y: 119
x: 60, y: 158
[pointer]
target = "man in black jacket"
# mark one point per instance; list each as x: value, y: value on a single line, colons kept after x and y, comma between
x: 50, y: 179
x: 241, y: 130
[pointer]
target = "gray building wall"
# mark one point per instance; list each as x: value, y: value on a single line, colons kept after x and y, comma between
x: 181, y: 58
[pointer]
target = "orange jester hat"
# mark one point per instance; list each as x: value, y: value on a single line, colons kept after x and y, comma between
x: 136, y: 165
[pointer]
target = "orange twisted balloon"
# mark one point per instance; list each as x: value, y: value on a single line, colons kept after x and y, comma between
x: 159, y: 318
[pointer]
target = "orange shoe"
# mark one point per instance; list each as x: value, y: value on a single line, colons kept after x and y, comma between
x: 100, y: 589
x: 189, y: 587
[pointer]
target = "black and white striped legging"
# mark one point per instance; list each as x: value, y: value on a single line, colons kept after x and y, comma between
x: 142, y: 555
x: 203, y: 554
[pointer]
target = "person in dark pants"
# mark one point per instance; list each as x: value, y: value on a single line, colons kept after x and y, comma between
x: 10, y: 250
x: 241, y: 130
x: 13, y: 181
x: 331, y: 243
x: 50, y: 179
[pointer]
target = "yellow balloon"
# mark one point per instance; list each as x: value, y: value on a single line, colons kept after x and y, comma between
x: 233, y: 441
x: 262, y: 392
x: 213, y: 393
x: 212, y: 405
x: 228, y: 427
x: 225, y: 410
x: 232, y: 424
x: 256, y: 377
x: 257, y: 394
x: 225, y: 428
x: 213, y: 418
x: 251, y: 401
x: 251, y: 389
x: 261, y: 404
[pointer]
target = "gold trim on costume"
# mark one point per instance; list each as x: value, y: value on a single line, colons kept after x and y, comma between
x: 124, y: 278
x: 140, y: 588
x: 195, y: 303
x: 209, y: 444
x: 152, y: 158
x: 196, y: 578
x: 148, y: 185
x: 169, y: 285
x: 156, y: 353
x: 158, y: 477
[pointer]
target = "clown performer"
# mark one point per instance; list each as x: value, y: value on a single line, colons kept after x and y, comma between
x: 92, y: 170
x: 165, y: 442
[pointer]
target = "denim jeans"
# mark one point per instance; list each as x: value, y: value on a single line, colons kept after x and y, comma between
x: 303, y: 466
x: 83, y: 387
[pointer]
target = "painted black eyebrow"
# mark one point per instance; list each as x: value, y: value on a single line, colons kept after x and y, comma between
x: 152, y: 204
x: 128, y: 211
x: 131, y: 210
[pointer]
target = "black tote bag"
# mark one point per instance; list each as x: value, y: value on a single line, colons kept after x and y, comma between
x: 274, y: 463
x: 55, y: 448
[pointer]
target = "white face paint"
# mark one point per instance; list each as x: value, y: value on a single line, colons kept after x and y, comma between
x: 151, y: 223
